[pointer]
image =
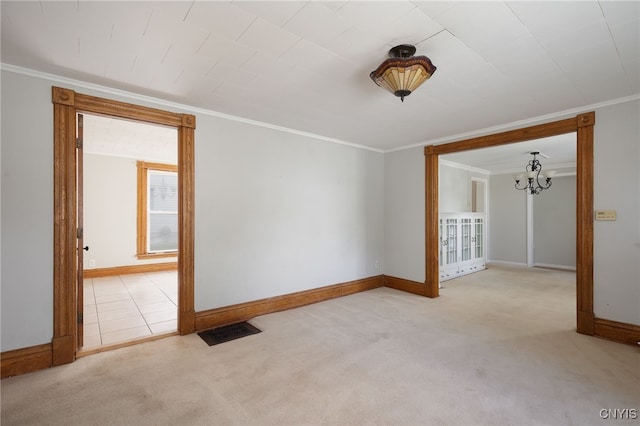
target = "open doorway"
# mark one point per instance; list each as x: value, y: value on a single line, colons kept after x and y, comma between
x: 129, y: 207
x: 66, y: 314
x: 478, y: 195
x: 462, y: 219
x: 530, y: 239
x: 583, y: 126
x: 528, y: 230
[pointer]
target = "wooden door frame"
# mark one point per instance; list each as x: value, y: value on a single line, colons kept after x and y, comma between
x: 583, y: 126
x: 66, y: 104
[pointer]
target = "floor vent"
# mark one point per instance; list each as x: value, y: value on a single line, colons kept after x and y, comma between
x: 227, y: 333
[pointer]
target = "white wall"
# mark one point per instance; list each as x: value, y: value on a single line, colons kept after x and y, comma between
x: 404, y: 214
x: 479, y: 194
x: 455, y: 188
x: 278, y: 213
x: 554, y: 224
x: 617, y: 187
x: 507, y: 237
x: 110, y: 212
x: 27, y: 212
x: 275, y: 212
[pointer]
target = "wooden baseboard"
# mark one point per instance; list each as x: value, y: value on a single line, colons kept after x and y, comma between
x: 130, y: 269
x: 617, y: 331
x: 245, y: 311
x: 401, y: 284
x: 25, y: 360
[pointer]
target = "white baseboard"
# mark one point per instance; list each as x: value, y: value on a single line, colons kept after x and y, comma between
x: 535, y: 265
x: 504, y: 262
x: 551, y: 266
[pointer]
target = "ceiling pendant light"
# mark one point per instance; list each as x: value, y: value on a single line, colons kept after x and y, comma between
x: 533, y: 172
x: 402, y: 73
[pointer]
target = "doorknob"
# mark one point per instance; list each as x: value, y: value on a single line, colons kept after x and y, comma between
x: 85, y: 248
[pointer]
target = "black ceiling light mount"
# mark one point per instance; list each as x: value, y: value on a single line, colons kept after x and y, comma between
x: 402, y: 73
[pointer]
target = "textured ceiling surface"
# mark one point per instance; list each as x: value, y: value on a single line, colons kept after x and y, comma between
x: 305, y: 65
x: 130, y: 139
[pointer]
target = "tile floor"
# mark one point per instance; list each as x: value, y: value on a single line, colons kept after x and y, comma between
x: 127, y: 307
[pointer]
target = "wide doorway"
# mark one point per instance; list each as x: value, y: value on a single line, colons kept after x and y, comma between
x: 583, y: 126
x: 485, y: 218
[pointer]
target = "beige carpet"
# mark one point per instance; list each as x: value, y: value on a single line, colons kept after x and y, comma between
x: 497, y: 347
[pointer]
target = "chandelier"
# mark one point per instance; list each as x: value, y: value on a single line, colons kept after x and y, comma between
x: 402, y: 73
x: 534, y: 176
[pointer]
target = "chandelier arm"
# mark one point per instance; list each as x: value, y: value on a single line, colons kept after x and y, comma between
x: 546, y: 185
x: 517, y: 187
x: 538, y: 180
x: 547, y: 180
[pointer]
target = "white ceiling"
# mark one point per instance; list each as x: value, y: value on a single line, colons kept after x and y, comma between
x: 305, y: 65
x: 131, y: 139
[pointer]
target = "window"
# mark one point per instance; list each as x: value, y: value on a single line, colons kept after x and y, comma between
x: 157, y: 210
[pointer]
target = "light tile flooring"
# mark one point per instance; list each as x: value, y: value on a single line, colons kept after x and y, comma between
x: 128, y: 307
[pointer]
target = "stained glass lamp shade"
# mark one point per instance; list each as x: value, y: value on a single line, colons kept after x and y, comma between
x: 402, y: 73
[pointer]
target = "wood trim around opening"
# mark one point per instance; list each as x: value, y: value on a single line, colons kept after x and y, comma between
x: 584, y: 224
x: 432, y: 277
x: 64, y: 228
x: 583, y: 126
x: 186, y: 224
x: 66, y: 104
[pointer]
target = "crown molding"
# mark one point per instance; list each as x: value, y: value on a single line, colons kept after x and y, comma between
x: 188, y: 108
x: 464, y: 167
x: 508, y: 171
x: 174, y: 105
x: 546, y: 166
x: 519, y: 124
